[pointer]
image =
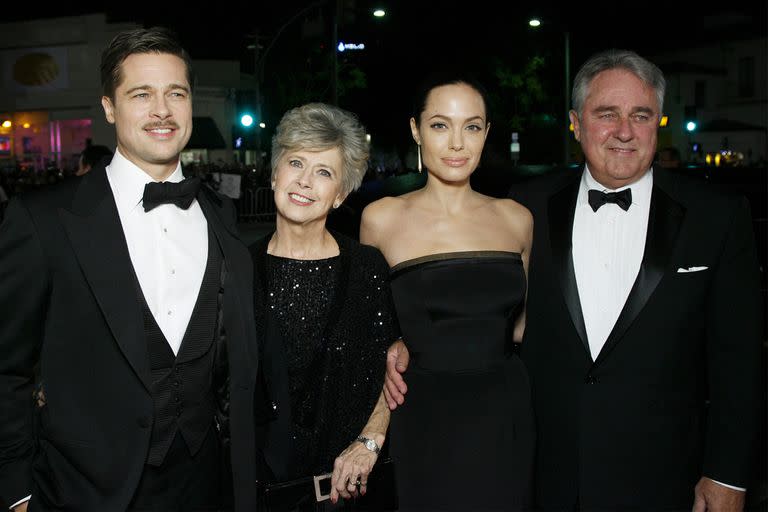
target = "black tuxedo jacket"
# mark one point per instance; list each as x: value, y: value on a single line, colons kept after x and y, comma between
x: 68, y: 301
x: 674, y: 393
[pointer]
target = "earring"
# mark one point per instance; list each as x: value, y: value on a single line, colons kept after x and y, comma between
x: 418, y: 156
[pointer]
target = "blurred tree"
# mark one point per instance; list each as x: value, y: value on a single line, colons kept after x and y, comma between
x: 521, y: 93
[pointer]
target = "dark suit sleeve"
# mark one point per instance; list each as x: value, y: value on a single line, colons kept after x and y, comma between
x: 733, y: 357
x: 519, y: 193
x: 23, y: 289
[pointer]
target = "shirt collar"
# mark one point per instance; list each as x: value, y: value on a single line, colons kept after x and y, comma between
x: 127, y: 181
x: 641, y: 189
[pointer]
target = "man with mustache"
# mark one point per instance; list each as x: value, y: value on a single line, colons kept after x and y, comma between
x: 128, y: 300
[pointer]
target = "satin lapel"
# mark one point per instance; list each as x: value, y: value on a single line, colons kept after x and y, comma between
x: 94, y: 229
x: 664, y: 220
x: 562, y: 206
x: 238, y: 268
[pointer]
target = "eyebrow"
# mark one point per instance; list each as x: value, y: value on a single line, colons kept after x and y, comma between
x: 602, y: 108
x: 145, y: 87
x: 304, y: 160
x: 325, y: 166
x: 473, y: 118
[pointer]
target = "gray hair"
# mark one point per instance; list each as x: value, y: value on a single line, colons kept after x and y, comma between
x: 643, y: 69
x: 318, y: 127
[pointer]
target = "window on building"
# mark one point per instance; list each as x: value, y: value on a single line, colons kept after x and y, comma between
x: 746, y: 77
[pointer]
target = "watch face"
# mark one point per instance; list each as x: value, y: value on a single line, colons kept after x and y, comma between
x: 371, y: 445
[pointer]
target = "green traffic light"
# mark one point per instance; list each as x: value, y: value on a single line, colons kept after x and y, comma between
x: 246, y: 120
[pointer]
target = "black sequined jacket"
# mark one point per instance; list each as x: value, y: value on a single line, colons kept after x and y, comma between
x: 347, y: 375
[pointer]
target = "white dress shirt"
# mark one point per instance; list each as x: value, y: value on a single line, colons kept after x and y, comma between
x: 168, y: 247
x: 608, y: 247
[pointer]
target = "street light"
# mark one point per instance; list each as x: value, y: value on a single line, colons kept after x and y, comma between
x: 246, y: 120
x: 535, y: 23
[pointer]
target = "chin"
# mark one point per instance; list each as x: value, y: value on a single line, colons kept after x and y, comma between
x: 453, y: 175
x: 167, y: 157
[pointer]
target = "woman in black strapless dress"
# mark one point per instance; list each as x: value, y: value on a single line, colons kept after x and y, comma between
x: 464, y: 437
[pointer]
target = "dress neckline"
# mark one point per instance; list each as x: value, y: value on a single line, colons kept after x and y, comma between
x: 286, y: 258
x: 454, y: 255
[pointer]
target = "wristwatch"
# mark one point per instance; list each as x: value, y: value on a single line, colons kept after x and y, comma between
x: 369, y: 443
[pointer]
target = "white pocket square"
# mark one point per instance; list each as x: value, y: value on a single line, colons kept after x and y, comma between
x: 682, y: 270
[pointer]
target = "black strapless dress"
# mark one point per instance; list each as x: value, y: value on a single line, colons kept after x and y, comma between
x: 464, y: 438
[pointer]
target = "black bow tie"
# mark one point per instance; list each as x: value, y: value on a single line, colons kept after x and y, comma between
x: 598, y: 198
x: 165, y: 192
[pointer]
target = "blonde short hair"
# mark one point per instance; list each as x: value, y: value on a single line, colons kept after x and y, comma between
x: 318, y: 127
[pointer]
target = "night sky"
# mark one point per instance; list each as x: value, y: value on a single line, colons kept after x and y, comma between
x: 218, y: 30
x: 419, y: 36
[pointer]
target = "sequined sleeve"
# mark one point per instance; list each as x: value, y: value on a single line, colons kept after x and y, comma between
x: 367, y: 327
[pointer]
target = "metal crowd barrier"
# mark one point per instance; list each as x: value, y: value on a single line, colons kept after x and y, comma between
x: 256, y: 205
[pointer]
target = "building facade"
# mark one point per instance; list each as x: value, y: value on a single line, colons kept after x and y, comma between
x: 50, y: 94
x: 723, y: 89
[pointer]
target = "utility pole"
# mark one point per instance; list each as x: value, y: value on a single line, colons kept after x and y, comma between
x: 337, y: 14
x: 257, y: 96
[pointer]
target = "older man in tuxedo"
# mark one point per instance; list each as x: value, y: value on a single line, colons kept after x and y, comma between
x: 130, y: 293
x: 643, y: 324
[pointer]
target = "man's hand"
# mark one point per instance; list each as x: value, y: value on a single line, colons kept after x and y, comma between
x: 709, y: 496
x: 21, y: 507
x: 394, y: 385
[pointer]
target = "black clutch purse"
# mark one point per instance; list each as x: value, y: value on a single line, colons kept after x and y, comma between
x: 311, y: 493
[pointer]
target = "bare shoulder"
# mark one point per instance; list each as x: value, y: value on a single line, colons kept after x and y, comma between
x: 517, y: 222
x: 381, y: 211
x: 516, y: 215
x: 378, y: 218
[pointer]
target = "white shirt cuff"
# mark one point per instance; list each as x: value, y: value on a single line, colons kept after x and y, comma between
x: 742, y: 489
x: 20, y: 502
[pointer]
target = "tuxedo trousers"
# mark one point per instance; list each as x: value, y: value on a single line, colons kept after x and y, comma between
x: 186, y: 483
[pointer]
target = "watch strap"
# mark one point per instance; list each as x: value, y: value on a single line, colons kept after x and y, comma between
x: 369, y: 444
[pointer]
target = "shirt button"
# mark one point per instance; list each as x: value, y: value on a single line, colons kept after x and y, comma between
x: 173, y: 271
x: 165, y: 230
x: 170, y: 312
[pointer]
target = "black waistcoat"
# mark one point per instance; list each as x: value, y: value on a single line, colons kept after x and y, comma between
x: 182, y: 385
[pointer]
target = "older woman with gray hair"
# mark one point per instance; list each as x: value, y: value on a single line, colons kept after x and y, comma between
x: 325, y: 316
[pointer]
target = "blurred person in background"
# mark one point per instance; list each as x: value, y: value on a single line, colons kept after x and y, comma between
x: 90, y: 157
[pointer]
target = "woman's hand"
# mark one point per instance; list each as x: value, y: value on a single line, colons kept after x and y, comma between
x: 351, y: 469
